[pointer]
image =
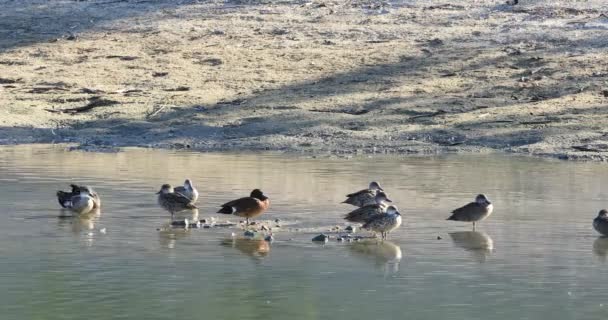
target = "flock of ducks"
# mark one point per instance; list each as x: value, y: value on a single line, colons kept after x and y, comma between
x: 373, y: 212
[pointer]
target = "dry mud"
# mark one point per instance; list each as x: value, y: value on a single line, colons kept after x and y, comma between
x: 323, y: 76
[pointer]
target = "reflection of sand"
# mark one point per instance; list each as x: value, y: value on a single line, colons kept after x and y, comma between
x: 304, y: 77
x: 251, y: 247
x: 600, y: 248
x: 478, y: 243
x: 384, y: 253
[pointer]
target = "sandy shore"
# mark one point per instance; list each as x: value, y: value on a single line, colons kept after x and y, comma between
x: 322, y: 76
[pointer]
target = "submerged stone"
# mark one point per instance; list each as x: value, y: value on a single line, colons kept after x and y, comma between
x: 321, y: 238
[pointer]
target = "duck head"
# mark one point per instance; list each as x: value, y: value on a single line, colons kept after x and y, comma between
x: 85, y: 190
x: 382, y: 197
x: 375, y: 186
x: 258, y: 194
x: 603, y: 213
x: 482, y: 200
x: 165, y: 188
x: 188, y: 184
x: 393, y: 210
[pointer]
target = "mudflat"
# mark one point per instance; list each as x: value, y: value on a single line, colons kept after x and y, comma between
x: 314, y: 76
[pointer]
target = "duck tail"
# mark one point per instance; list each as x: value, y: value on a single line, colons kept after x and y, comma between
x: 226, y: 210
x: 348, y: 201
x: 451, y: 218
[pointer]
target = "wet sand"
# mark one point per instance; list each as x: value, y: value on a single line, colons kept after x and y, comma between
x: 322, y: 77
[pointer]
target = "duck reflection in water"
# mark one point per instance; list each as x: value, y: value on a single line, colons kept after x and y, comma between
x: 600, y: 248
x: 80, y: 222
x: 168, y: 236
x: 385, y: 254
x: 257, y: 248
x: 478, y: 243
x: 190, y: 215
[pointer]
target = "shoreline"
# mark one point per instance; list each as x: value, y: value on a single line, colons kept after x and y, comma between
x: 319, y: 77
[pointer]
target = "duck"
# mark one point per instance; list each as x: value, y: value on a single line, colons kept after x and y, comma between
x: 82, y: 202
x: 172, y: 201
x: 600, y: 223
x: 384, y: 223
x: 188, y: 190
x: 247, y: 207
x: 474, y: 212
x: 65, y: 198
x: 364, y: 213
x: 364, y: 197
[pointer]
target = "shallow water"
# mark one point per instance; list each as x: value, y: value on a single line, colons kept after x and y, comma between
x: 535, y: 257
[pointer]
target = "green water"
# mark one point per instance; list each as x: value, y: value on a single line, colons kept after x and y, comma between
x: 536, y: 257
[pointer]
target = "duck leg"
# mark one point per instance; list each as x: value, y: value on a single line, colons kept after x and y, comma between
x: 473, y: 226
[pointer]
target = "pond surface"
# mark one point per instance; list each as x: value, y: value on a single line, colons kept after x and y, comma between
x: 536, y: 257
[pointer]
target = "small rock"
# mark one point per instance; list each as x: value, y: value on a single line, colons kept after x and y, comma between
x: 439, y: 238
x: 351, y: 229
x: 249, y: 233
x: 321, y: 238
x: 206, y: 226
x: 264, y: 228
x: 339, y: 239
x: 252, y: 223
x: 269, y: 238
x: 181, y: 223
x: 605, y: 93
x: 277, y: 220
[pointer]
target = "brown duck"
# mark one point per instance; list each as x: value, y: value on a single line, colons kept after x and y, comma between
x: 247, y: 207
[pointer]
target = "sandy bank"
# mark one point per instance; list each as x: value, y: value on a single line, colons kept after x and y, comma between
x: 321, y: 76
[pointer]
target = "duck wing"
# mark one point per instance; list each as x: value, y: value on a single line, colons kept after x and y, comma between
x: 363, y: 214
x: 243, y: 203
x: 467, y: 211
x: 359, y: 193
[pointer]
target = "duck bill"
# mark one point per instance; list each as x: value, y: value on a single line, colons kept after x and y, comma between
x: 388, y: 200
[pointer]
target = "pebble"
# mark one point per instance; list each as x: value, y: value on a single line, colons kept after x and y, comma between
x: 351, y: 229
x: 438, y: 237
x: 269, y: 238
x: 321, y: 238
x: 277, y: 220
x: 264, y: 228
x: 249, y: 233
x: 339, y: 239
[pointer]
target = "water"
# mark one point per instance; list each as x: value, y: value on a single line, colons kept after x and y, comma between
x: 535, y: 257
